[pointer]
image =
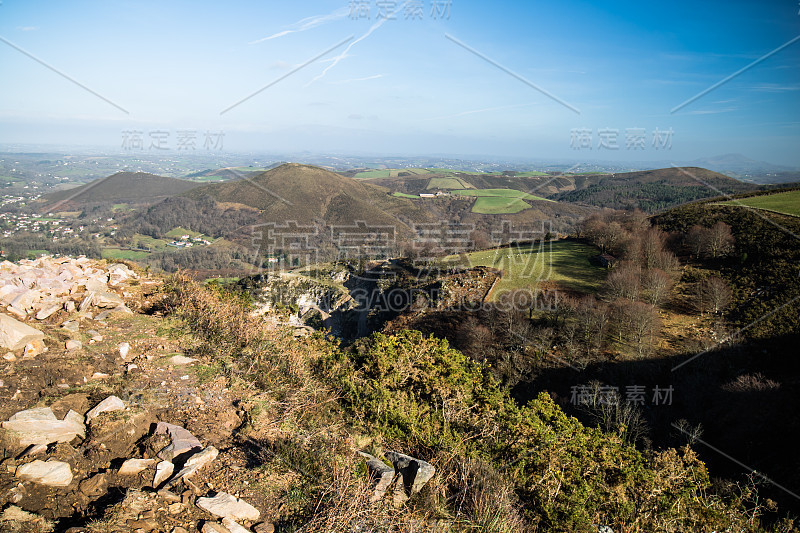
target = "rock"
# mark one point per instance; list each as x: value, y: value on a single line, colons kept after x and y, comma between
x: 382, y: 475
x: 228, y: 506
x: 164, y: 470
x: 14, y: 335
x: 112, y: 403
x: 120, y: 433
x: 145, y: 524
x: 195, y: 463
x: 264, y: 527
x: 10, y: 357
x: 34, y: 348
x: 71, y: 326
x: 181, y: 360
x: 131, y: 467
x: 179, y: 529
x: 96, y: 485
x: 169, y: 496
x: 415, y: 472
x: 73, y: 344
x: 181, y: 441
x: 107, y: 300
x: 124, y: 348
x: 46, y: 312
x: 71, y: 402
x: 603, y: 529
x: 233, y: 527
x: 175, y: 508
x: 213, y: 527
x: 69, y: 306
x: 40, y: 426
x: 14, y: 518
x: 52, y: 473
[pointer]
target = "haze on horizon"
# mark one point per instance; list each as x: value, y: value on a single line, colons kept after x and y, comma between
x: 528, y: 80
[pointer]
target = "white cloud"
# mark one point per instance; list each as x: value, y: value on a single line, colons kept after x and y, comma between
x: 307, y: 24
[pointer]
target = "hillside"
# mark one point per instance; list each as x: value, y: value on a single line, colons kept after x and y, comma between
x: 122, y: 187
x: 651, y: 190
x: 307, y: 194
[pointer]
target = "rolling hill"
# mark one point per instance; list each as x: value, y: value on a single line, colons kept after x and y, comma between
x: 122, y: 187
x: 307, y: 194
x: 650, y: 190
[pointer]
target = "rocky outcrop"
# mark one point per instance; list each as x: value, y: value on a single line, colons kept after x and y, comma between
x: 14, y: 335
x: 52, y: 473
x: 40, y: 426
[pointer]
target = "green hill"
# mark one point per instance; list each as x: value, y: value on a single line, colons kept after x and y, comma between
x: 308, y: 194
x: 122, y: 187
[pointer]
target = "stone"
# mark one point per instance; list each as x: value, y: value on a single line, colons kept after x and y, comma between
x: 34, y: 348
x: 124, y: 348
x: 264, y: 527
x: 52, y: 473
x: 131, y: 467
x: 164, y: 470
x: 73, y: 344
x: 14, y: 335
x: 178, y: 529
x: 382, y: 475
x: 415, y: 472
x: 225, y: 505
x: 175, y: 508
x: 46, y: 312
x: 40, y: 426
x: 195, y: 463
x: 144, y: 524
x: 112, y: 403
x: 169, y: 496
x: 107, y: 300
x: 77, y: 402
x: 71, y: 326
x: 182, y: 441
x: 234, y: 527
x: 10, y: 357
x: 179, y: 360
x: 213, y: 527
x: 96, y: 485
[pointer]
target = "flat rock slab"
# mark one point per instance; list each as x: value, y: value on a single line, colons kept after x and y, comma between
x: 112, y: 403
x: 51, y: 473
x: 181, y: 360
x: 164, y: 470
x: 14, y: 335
x: 182, y: 440
x: 234, y: 527
x: 415, y: 472
x: 225, y: 505
x: 131, y: 467
x: 40, y: 426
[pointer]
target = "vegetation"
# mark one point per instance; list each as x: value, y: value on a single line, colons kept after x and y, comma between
x: 787, y: 202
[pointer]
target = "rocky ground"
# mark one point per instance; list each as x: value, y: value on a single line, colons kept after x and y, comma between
x: 108, y: 425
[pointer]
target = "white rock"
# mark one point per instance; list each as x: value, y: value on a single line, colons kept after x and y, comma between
x: 40, y: 426
x: 227, y: 506
x: 164, y: 470
x: 52, y: 473
x: 195, y: 463
x: 133, y: 466
x: 14, y: 335
x: 213, y: 527
x: 124, y: 348
x: 112, y: 403
x: 73, y: 344
x: 47, y: 311
x: 233, y: 527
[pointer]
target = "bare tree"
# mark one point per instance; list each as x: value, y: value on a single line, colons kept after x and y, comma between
x: 712, y: 294
x: 656, y: 285
x: 622, y: 282
x: 720, y: 240
x: 637, y: 324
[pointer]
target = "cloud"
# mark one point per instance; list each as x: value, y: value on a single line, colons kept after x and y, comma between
x: 375, y: 77
x: 307, y: 24
x: 336, y: 59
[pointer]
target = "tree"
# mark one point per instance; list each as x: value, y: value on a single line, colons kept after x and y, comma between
x: 637, y: 324
x: 720, y: 240
x: 622, y: 282
x: 712, y: 294
x: 656, y: 285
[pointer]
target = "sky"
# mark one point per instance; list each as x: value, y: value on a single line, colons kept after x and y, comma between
x: 615, y: 81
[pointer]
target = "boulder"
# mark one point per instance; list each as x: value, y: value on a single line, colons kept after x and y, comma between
x: 40, y: 426
x: 52, y: 473
x: 164, y: 470
x: 73, y: 344
x: 182, y: 441
x: 112, y: 403
x: 415, y: 472
x: 14, y: 335
x: 382, y: 475
x: 225, y: 505
x: 195, y: 463
x: 234, y: 527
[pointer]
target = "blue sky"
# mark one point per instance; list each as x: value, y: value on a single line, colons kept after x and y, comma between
x: 402, y: 87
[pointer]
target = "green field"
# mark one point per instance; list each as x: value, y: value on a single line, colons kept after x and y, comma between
x: 176, y: 233
x: 390, y: 173
x: 565, y: 262
x: 116, y: 253
x: 499, y: 193
x: 498, y: 201
x: 497, y: 205
x: 787, y: 203
x: 404, y: 195
x: 531, y: 174
x: 448, y: 183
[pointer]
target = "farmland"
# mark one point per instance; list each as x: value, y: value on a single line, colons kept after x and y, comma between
x: 567, y: 263
x: 787, y: 203
x: 498, y: 201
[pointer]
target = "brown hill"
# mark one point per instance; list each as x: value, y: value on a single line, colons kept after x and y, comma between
x: 122, y: 187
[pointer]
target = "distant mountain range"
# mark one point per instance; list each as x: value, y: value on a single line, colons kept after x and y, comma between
x: 122, y: 187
